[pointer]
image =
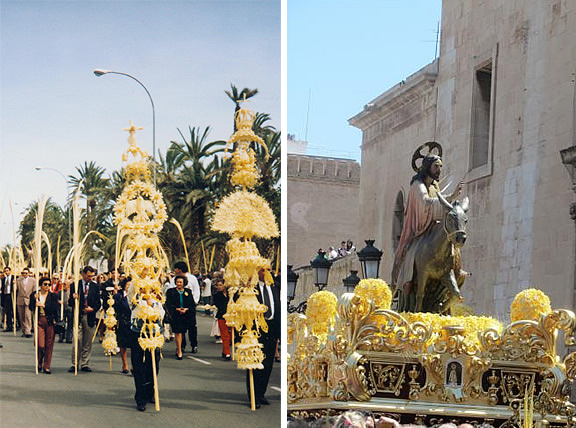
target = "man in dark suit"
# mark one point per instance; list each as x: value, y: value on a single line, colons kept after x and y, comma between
x: 8, y: 294
x: 88, y: 293
x: 268, y: 295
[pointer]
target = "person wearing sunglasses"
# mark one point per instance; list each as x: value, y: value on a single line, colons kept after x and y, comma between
x: 47, y: 304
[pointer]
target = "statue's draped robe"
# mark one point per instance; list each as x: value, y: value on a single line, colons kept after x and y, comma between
x: 422, y: 209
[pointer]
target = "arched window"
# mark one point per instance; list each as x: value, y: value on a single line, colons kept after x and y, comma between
x: 398, y: 220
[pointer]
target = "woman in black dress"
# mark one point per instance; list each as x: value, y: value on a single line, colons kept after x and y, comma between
x: 47, y: 304
x: 123, y: 313
x: 180, y: 304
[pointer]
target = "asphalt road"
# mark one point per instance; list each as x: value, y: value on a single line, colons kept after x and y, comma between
x: 202, y: 390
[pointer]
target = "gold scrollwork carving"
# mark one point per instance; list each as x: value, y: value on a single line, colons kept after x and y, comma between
x: 453, y: 342
x: 387, y: 331
x: 357, y: 380
x: 514, y: 384
x: 387, y: 377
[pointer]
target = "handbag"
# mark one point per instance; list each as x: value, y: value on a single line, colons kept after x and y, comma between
x: 59, y: 326
x: 215, y: 328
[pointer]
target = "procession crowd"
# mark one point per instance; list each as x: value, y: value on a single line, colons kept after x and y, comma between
x: 186, y: 294
x: 366, y: 419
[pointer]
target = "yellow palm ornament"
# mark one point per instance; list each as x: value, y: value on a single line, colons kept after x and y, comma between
x: 243, y: 215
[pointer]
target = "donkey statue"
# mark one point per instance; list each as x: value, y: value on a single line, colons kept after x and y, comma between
x: 437, y: 273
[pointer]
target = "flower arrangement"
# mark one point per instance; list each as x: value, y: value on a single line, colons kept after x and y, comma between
x: 321, y: 312
x: 530, y: 304
x: 376, y: 290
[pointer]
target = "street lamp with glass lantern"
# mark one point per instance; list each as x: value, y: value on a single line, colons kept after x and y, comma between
x: 292, y: 280
x: 100, y: 72
x: 321, y: 268
x: 351, y: 281
x: 370, y: 257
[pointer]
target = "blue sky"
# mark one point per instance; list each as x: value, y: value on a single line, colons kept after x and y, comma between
x: 55, y: 113
x: 343, y: 54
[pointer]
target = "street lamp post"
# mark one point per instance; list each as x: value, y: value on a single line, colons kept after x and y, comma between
x: 99, y: 72
x: 292, y: 280
x: 321, y: 268
x: 370, y: 257
x: 38, y: 168
x: 351, y: 281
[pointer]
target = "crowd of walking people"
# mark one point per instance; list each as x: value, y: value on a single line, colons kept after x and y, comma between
x: 186, y: 295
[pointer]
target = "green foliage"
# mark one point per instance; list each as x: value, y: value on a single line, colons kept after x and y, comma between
x: 193, y: 177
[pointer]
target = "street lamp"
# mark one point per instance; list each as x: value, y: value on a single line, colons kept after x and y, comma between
x: 99, y: 72
x: 292, y: 280
x: 370, y: 257
x: 38, y: 168
x: 321, y: 268
x: 351, y: 281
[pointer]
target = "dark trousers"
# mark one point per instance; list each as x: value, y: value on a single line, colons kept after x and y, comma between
x: 262, y: 376
x: 45, y: 343
x: 8, y: 310
x: 142, y: 367
x: 68, y: 318
x: 192, y: 332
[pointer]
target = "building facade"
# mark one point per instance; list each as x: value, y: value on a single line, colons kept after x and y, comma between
x: 322, y: 204
x: 500, y: 100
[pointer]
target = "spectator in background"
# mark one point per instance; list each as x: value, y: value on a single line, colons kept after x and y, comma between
x: 24, y: 288
x: 350, y: 247
x: 64, y: 296
x: 207, y: 292
x: 332, y: 253
x: 56, y: 284
x: 342, y: 251
x: 180, y: 305
x: 181, y: 268
x: 123, y: 314
x: 221, y: 303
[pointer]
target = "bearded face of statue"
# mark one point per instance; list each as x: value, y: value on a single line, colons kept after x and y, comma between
x: 435, y: 170
x: 432, y: 167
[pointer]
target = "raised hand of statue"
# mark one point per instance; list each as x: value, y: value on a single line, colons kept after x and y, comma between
x: 457, y: 191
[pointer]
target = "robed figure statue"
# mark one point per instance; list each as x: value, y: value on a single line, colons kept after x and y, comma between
x: 427, y: 272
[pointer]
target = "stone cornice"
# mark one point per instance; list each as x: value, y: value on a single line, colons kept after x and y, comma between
x: 400, y: 95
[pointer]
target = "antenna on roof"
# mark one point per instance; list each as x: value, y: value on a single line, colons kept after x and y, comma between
x: 307, y: 115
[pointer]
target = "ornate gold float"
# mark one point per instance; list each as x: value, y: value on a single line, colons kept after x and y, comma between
x: 429, y: 368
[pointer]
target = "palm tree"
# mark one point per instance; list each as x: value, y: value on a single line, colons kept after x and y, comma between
x: 258, y: 126
x: 92, y: 186
x: 91, y: 183
x: 188, y: 174
x: 237, y: 98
